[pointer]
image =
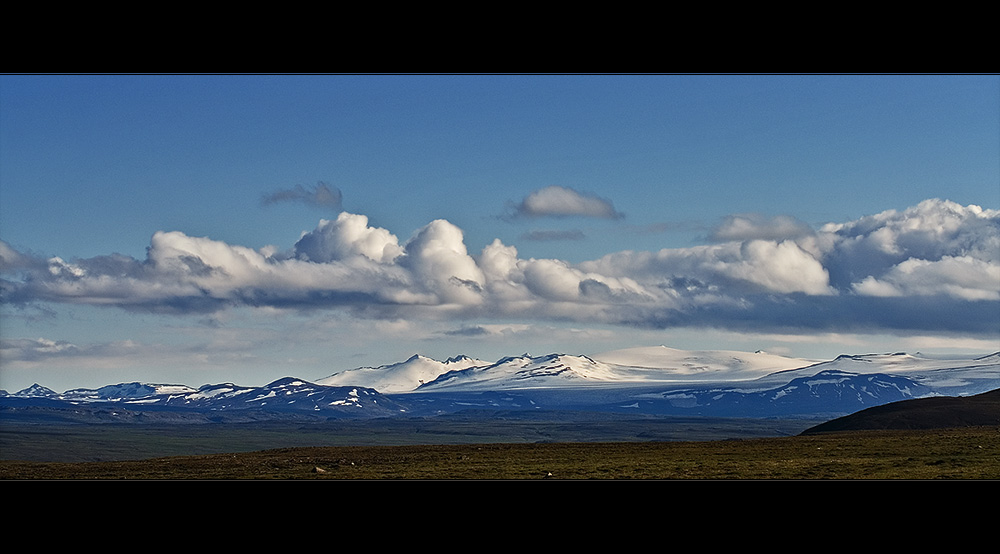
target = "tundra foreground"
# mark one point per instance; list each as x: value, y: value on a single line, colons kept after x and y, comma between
x: 966, y: 453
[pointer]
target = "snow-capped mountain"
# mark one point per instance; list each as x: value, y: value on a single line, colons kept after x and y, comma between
x: 400, y: 377
x: 655, y: 380
x: 126, y: 391
x: 525, y: 371
x: 952, y: 376
x: 661, y: 363
x: 829, y: 391
x: 287, y: 393
x: 645, y: 365
x: 34, y: 391
x: 745, y: 371
x: 283, y: 395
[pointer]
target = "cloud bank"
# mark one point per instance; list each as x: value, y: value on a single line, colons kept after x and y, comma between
x: 931, y: 267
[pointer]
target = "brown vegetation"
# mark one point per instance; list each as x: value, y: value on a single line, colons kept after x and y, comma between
x: 966, y: 453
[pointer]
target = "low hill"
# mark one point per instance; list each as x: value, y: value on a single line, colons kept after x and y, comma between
x: 920, y: 413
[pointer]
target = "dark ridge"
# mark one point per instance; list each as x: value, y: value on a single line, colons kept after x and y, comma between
x: 940, y: 412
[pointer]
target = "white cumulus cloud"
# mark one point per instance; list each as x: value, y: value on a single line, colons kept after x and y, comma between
x: 933, y: 265
x: 347, y: 236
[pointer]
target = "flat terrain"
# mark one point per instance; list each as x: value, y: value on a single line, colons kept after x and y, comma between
x: 966, y: 453
x: 48, y: 442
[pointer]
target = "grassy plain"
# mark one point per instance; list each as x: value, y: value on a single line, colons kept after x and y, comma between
x: 967, y: 453
x: 115, y: 442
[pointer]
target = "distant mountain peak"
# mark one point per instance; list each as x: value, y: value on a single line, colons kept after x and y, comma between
x: 526, y: 372
x: 402, y: 376
x: 35, y: 391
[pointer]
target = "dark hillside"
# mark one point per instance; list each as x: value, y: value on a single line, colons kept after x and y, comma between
x: 921, y: 413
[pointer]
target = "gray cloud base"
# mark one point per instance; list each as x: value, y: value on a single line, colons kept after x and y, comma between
x: 558, y: 201
x: 321, y: 195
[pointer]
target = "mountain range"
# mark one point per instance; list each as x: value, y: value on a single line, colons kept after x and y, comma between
x: 643, y: 381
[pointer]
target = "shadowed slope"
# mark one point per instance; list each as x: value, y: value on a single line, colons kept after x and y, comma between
x: 921, y: 413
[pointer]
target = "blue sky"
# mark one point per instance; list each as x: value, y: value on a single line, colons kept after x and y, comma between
x: 185, y: 229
